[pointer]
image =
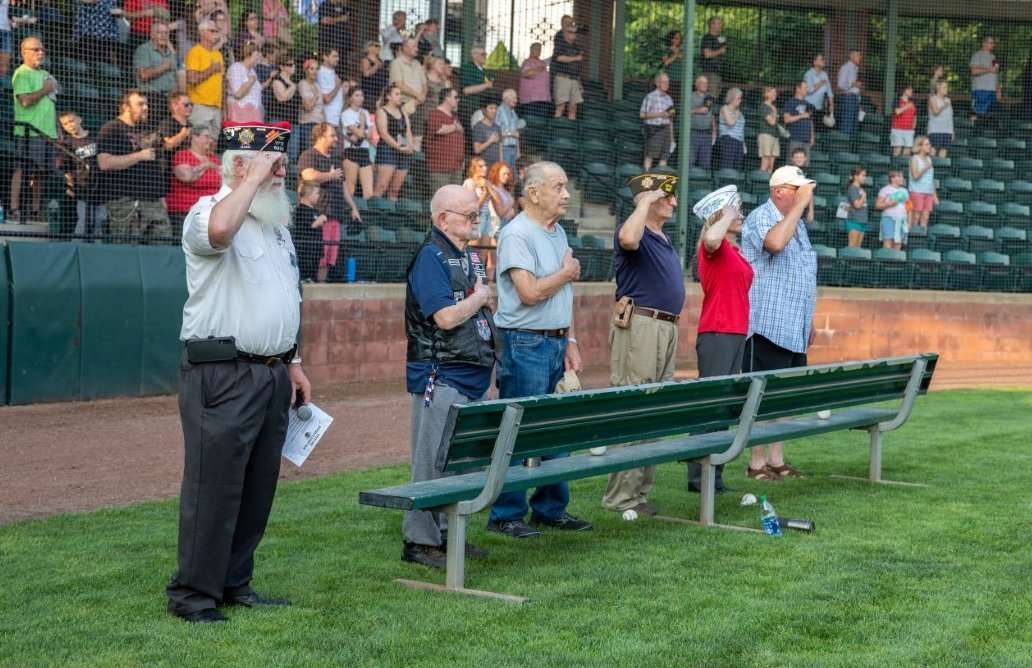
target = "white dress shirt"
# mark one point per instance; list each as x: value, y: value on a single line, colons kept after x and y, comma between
x: 248, y: 290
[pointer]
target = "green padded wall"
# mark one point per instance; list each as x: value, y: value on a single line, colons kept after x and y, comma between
x: 45, y: 363
x: 5, y: 323
x: 163, y: 276
x: 112, y: 321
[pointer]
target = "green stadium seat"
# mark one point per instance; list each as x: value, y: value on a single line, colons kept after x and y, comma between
x: 945, y: 237
x: 961, y: 270
x: 594, y: 112
x: 977, y: 239
x: 407, y: 236
x: 596, y: 151
x: 1013, y: 147
x: 854, y: 267
x: 826, y: 264
x: 626, y: 171
x: 1022, y: 268
x: 983, y: 147
x: 958, y: 189
x: 562, y: 127
x: 990, y: 190
x: 1020, y: 191
x: 981, y: 213
x: 626, y: 127
x: 845, y: 157
x: 892, y: 270
x: 597, y: 182
x: 828, y: 185
x: 591, y: 241
x: 917, y: 237
x: 874, y: 162
x: 819, y: 159
x: 1011, y: 240
x: 969, y: 168
x: 925, y: 269
x: 949, y: 212
x: 728, y: 177
x: 1016, y: 215
x: 943, y: 166
x: 1001, y: 168
x: 870, y: 141
x: 995, y: 272
x: 564, y: 151
x: 574, y: 242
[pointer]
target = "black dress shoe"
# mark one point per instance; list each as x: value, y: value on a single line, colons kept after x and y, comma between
x: 253, y: 599
x: 427, y: 555
x: 205, y: 616
x: 565, y: 522
x: 472, y: 551
x: 514, y: 529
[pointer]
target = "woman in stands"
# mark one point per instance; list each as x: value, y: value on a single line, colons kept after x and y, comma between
x: 248, y: 30
x: 312, y: 106
x: 356, y: 127
x: 374, y: 73
x: 196, y: 173
x: 394, y: 152
x: 285, y: 101
x: 725, y: 276
x: 503, y: 204
x: 923, y: 197
x: 731, y: 144
x: 940, y: 119
x: 243, y: 92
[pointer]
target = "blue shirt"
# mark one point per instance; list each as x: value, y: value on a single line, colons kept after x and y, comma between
x: 802, y: 129
x: 651, y: 275
x: 783, y: 295
x: 431, y: 286
x: 523, y: 244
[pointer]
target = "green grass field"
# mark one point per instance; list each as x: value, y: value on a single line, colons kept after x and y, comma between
x: 936, y: 576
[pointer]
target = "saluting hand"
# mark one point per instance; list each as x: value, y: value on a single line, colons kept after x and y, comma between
x: 650, y: 197
x: 262, y: 165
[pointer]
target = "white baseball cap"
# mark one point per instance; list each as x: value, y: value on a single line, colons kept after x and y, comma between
x: 789, y: 175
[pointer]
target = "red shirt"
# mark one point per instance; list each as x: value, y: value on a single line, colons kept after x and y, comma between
x: 444, y: 153
x: 906, y: 120
x: 726, y: 277
x: 181, y: 195
x: 141, y: 26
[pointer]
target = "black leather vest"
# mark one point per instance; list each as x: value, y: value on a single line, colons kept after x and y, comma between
x: 472, y: 342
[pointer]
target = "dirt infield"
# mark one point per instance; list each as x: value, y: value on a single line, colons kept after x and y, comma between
x: 83, y: 455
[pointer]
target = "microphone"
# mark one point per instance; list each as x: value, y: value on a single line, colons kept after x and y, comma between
x: 304, y: 412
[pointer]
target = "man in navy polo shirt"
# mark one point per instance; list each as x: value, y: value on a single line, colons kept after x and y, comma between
x: 451, y: 351
x: 643, y: 334
x: 798, y: 115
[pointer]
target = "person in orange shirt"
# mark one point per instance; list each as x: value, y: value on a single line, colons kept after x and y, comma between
x: 204, y: 72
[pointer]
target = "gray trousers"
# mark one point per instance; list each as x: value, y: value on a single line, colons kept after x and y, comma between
x: 420, y: 526
x: 234, y: 417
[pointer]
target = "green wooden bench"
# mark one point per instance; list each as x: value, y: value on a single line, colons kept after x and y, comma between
x: 657, y: 423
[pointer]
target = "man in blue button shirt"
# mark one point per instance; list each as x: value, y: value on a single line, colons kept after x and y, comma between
x: 451, y: 351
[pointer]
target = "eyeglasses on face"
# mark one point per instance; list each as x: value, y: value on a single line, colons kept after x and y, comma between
x: 472, y: 216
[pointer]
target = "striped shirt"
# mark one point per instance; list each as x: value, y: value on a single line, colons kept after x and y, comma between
x: 783, y: 295
x: 654, y: 103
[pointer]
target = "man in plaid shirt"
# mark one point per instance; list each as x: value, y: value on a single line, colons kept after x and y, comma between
x: 783, y: 295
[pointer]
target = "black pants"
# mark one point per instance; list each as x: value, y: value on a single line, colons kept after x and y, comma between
x: 762, y: 354
x: 234, y: 417
x: 719, y: 355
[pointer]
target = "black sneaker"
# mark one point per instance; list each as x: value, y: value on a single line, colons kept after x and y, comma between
x: 565, y: 522
x: 472, y: 551
x: 513, y: 529
x: 428, y: 555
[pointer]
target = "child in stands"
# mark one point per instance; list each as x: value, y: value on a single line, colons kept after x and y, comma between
x: 923, y: 197
x: 892, y: 202
x: 904, y: 119
x: 856, y: 222
x: 307, y: 233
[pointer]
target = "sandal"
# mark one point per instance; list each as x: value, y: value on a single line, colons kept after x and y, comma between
x: 785, y: 471
x: 763, y: 475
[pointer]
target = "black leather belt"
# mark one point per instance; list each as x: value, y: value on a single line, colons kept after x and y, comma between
x: 656, y: 314
x: 267, y: 360
x: 552, y: 333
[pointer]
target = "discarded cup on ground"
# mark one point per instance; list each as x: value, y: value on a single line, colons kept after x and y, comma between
x: 806, y: 526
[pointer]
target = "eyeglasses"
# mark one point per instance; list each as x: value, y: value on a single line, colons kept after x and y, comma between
x: 472, y: 217
x: 35, y: 49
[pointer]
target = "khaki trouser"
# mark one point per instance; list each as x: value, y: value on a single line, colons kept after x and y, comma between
x: 645, y: 352
x: 136, y: 218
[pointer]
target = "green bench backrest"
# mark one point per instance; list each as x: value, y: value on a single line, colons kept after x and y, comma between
x: 554, y: 424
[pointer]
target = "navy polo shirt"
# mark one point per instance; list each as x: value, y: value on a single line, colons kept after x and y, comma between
x: 800, y: 130
x: 652, y: 275
x: 431, y: 286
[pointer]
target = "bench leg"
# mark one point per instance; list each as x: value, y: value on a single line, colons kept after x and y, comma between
x: 875, y: 465
x: 708, y: 494
x: 456, y: 562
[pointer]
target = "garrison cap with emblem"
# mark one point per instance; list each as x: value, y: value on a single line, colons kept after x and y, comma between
x: 649, y: 181
x: 255, y: 137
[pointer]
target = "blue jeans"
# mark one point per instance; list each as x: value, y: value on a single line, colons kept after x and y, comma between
x: 701, y: 148
x: 509, y: 156
x: 530, y: 364
x: 848, y: 113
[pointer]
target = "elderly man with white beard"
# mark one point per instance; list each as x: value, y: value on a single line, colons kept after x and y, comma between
x: 240, y: 372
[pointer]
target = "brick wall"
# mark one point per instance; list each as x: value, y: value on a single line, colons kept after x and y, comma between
x: 355, y: 333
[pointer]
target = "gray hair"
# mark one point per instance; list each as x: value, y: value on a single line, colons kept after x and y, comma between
x: 205, y: 24
x: 537, y: 174
x: 732, y: 95
x: 229, y: 157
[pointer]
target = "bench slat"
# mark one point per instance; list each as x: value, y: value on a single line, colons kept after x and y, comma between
x: 448, y: 490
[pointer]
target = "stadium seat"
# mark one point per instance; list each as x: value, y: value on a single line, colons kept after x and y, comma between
x: 1016, y: 215
x: 1013, y: 148
x: 759, y: 181
x: 626, y: 171
x: 407, y: 236
x: 562, y: 127
x: 995, y: 274
x: 873, y: 161
x: 969, y: 168
x: 916, y: 238
x: 983, y: 147
x: 828, y: 185
x: 819, y: 160
x: 925, y: 269
x: 949, y: 212
x: 596, y: 181
x: 1011, y: 240
x: 597, y: 151
x: 871, y: 141
x: 626, y: 127
x: 563, y: 151
x: 891, y: 268
x: 958, y: 189
x: 981, y: 213
x: 854, y: 267
x: 990, y: 190
x: 845, y: 157
x: 1020, y: 191
x: 1001, y: 169
x: 826, y: 264
x: 977, y: 239
x: 1022, y: 269
x: 945, y: 237
x: 942, y: 165
x: 961, y: 270
x: 728, y: 177
x: 595, y: 130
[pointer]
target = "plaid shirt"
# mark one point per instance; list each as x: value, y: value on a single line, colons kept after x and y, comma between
x: 655, y: 102
x: 783, y: 295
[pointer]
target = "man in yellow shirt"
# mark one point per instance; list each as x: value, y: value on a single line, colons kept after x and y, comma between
x: 204, y: 70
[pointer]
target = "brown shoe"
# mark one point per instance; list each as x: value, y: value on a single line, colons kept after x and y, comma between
x: 645, y: 508
x: 763, y: 475
x: 785, y: 471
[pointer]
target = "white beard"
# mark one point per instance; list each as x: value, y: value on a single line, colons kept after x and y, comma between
x: 270, y: 206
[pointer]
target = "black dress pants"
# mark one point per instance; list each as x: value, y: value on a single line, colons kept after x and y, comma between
x: 234, y: 417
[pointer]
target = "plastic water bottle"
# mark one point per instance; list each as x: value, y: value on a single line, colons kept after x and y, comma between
x: 352, y: 270
x: 769, y: 518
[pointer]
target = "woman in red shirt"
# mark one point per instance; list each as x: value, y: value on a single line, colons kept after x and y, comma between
x: 726, y: 276
x: 195, y: 173
x: 904, y: 119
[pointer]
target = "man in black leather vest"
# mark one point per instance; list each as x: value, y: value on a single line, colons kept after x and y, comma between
x: 451, y: 350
